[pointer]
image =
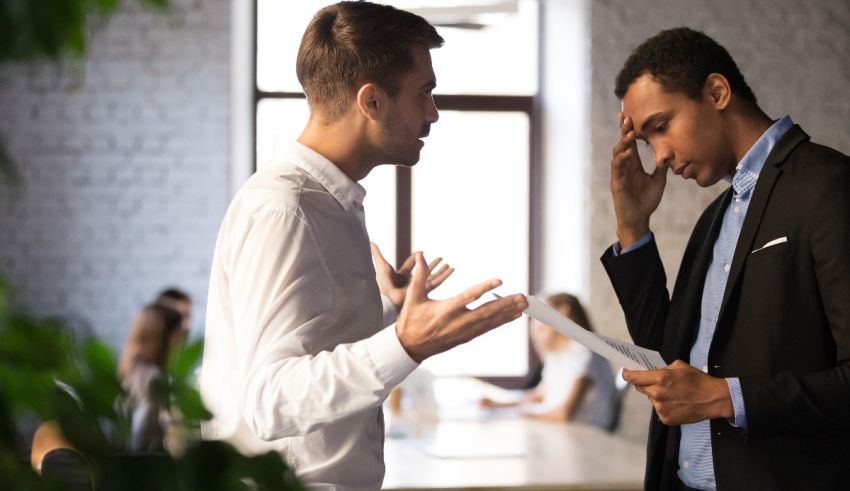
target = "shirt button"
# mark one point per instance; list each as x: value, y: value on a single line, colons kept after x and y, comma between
x: 705, y: 368
x: 737, y: 209
x: 727, y: 268
x: 685, y: 464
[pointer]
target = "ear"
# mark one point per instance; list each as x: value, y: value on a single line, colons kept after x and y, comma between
x: 717, y: 90
x: 370, y: 101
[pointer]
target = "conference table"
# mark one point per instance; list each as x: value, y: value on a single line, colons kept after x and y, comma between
x: 511, y: 454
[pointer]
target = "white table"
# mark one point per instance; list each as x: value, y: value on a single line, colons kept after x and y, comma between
x: 514, y: 453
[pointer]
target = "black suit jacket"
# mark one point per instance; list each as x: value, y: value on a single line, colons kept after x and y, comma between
x: 783, y: 327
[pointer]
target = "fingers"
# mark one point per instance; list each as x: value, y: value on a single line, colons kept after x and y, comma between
x: 433, y: 264
x: 437, y: 278
x: 473, y: 293
x: 626, y: 144
x: 407, y: 266
x: 640, y: 378
x: 377, y: 256
x: 625, y: 150
x: 625, y: 125
x: 493, y: 314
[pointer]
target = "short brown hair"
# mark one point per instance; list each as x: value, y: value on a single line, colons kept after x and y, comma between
x: 351, y: 43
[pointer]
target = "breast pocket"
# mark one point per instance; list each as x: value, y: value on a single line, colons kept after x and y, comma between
x: 764, y: 282
x: 772, y: 250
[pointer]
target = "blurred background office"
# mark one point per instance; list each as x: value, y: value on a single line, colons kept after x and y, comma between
x: 129, y: 156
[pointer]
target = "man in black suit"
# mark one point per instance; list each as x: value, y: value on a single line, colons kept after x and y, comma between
x: 758, y: 324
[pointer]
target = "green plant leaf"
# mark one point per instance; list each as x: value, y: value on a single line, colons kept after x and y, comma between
x: 188, y: 402
x: 185, y: 360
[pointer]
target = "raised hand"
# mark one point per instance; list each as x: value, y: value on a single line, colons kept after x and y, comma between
x: 426, y: 327
x: 636, y: 194
x: 393, y: 283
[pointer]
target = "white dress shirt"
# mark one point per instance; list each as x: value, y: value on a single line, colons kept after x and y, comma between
x: 562, y: 369
x: 298, y: 356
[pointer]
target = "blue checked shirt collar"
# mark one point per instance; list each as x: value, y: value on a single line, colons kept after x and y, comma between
x: 749, y: 168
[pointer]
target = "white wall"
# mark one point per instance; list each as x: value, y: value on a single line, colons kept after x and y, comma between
x: 125, y: 161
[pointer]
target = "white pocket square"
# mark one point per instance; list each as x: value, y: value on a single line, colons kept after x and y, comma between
x: 780, y: 240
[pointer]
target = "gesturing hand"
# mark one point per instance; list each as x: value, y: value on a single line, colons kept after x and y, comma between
x: 393, y: 283
x: 682, y: 394
x: 426, y: 327
x: 636, y: 194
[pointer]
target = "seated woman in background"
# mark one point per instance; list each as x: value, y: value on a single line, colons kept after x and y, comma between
x: 155, y: 333
x: 576, y: 385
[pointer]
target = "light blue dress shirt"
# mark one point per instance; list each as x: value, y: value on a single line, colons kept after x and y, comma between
x: 696, y: 465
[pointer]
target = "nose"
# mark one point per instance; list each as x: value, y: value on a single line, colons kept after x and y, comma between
x: 663, y: 154
x: 433, y: 115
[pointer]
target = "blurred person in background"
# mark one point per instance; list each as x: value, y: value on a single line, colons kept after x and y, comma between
x: 178, y: 300
x: 576, y: 385
x: 156, y: 332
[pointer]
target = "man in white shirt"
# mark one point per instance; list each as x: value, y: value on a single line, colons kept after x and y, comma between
x: 298, y: 353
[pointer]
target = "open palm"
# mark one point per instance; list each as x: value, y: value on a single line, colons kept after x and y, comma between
x: 394, y: 282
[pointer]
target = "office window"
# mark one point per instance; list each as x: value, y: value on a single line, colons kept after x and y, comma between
x: 468, y: 199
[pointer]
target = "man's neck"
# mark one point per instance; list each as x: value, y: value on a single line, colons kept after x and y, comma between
x: 342, y: 144
x: 748, y: 125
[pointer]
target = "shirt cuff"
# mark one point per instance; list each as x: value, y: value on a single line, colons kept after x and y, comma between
x: 740, y: 419
x: 640, y: 243
x: 390, y: 310
x: 389, y: 357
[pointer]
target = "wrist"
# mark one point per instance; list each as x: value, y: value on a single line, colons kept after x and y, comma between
x: 406, y: 344
x: 723, y: 407
x: 628, y: 235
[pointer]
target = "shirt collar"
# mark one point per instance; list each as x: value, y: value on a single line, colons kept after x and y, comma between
x: 749, y: 168
x: 346, y: 191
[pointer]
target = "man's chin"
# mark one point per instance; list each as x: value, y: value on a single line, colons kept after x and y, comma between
x: 407, y: 160
x: 706, y: 182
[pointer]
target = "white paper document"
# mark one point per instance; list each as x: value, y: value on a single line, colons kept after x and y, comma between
x: 619, y: 352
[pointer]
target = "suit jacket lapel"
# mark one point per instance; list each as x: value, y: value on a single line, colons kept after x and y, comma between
x: 770, y: 172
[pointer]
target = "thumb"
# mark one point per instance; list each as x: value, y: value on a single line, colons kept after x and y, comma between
x: 659, y: 174
x: 417, y: 290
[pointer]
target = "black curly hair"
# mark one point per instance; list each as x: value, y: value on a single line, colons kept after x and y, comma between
x: 680, y: 60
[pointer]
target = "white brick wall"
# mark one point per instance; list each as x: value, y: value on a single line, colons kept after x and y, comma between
x: 796, y: 57
x: 125, y: 160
